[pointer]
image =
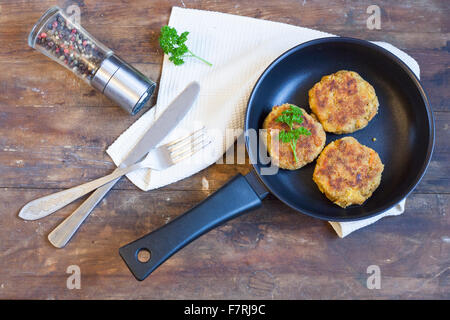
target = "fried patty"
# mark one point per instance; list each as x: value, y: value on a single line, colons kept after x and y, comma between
x: 343, y: 102
x: 348, y: 172
x: 307, y: 147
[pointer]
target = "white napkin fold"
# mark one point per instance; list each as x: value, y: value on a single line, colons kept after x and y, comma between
x: 345, y: 228
x: 240, y: 48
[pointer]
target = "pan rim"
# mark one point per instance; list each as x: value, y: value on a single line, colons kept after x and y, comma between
x: 430, y: 117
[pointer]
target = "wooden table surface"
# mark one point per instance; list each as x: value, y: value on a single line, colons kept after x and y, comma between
x: 54, y: 130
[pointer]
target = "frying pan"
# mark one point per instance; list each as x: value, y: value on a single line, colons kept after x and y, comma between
x: 403, y: 128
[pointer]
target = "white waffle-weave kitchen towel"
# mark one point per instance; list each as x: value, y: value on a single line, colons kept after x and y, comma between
x: 240, y: 48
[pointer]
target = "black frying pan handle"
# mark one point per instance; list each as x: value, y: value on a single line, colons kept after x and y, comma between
x: 237, y: 196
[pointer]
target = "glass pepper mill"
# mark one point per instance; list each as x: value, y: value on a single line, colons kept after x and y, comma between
x: 67, y: 43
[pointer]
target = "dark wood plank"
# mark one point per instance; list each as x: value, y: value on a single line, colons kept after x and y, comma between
x: 24, y: 86
x: 272, y: 252
x: 50, y: 147
x: 429, y: 45
x: 399, y: 15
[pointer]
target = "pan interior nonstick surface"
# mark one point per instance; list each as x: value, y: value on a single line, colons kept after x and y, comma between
x: 403, y: 127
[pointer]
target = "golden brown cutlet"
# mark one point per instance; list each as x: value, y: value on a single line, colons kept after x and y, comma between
x: 343, y: 102
x: 348, y: 172
x: 307, y: 147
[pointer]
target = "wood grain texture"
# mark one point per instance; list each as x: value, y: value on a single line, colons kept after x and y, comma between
x: 54, y: 130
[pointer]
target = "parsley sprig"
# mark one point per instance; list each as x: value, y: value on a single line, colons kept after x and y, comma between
x: 174, y: 46
x: 293, y: 114
x: 290, y: 116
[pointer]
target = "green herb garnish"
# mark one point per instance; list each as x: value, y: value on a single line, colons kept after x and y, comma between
x: 174, y: 46
x: 292, y: 115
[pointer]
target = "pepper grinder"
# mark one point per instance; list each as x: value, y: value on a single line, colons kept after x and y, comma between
x: 69, y: 44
